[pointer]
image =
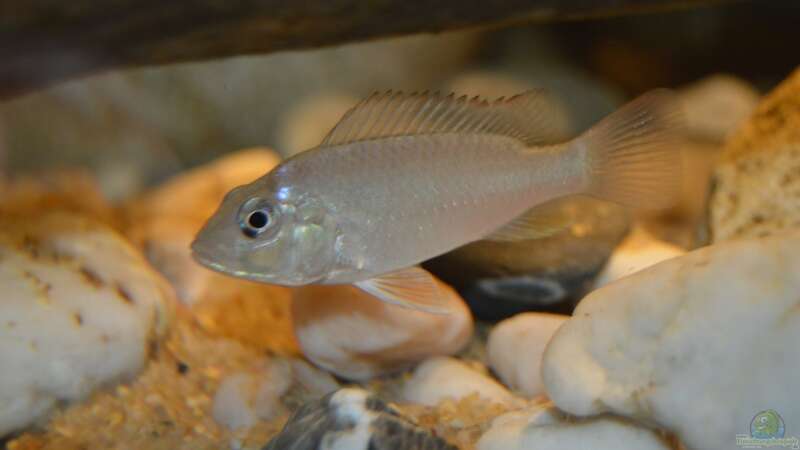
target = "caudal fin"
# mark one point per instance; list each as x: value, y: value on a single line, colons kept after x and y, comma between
x: 633, y: 155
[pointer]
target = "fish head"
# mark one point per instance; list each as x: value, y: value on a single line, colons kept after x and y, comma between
x: 271, y: 234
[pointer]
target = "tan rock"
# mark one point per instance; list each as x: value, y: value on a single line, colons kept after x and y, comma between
x: 354, y: 335
x: 757, y: 189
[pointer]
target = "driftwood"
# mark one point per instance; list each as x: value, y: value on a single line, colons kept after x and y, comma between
x: 45, y: 41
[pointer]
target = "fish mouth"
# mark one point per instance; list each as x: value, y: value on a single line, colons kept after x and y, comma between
x: 201, y: 256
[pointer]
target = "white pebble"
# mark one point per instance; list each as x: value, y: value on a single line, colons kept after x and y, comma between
x: 441, y: 378
x: 516, y: 346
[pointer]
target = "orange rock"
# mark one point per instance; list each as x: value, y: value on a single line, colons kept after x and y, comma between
x: 354, y: 335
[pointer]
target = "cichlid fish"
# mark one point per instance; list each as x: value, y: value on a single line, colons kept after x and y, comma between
x: 406, y: 177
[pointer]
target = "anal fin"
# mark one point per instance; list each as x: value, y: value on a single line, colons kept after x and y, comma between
x: 412, y: 288
x: 538, y: 222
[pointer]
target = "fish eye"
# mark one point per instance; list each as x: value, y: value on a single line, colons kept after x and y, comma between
x: 255, y: 218
x: 258, y: 219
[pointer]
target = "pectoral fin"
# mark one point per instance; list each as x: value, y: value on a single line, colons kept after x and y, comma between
x: 538, y: 222
x: 412, y: 288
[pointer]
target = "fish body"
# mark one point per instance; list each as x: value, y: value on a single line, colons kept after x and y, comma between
x: 402, y: 179
x: 402, y: 200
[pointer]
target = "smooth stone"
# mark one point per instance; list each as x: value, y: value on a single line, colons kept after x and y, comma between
x: 80, y: 309
x: 501, y: 279
x: 164, y: 221
x: 757, y: 182
x: 521, y: 370
x: 547, y: 428
x: 638, y: 251
x: 356, y: 336
x: 353, y: 419
x: 698, y: 344
x: 443, y: 378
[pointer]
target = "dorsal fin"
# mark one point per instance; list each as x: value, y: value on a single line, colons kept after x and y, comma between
x: 532, y: 117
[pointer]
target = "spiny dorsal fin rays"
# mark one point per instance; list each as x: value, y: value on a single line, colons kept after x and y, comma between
x: 532, y: 117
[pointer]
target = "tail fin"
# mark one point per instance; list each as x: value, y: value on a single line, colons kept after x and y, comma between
x: 634, y: 154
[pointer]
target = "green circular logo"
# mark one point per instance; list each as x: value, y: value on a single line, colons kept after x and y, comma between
x: 767, y: 425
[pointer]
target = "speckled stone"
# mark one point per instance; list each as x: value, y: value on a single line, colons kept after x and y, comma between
x: 353, y: 418
x: 79, y: 308
x: 757, y: 183
x: 500, y: 279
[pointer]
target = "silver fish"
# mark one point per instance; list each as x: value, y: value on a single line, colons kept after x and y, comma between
x: 406, y: 177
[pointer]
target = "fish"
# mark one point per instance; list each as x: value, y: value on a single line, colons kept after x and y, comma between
x: 404, y: 177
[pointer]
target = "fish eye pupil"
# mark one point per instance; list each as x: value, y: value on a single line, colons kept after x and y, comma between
x: 258, y: 219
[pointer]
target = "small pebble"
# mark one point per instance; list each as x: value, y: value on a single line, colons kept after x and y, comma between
x: 516, y: 346
x: 448, y: 378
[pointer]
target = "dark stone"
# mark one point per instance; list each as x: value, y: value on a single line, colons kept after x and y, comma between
x: 318, y: 424
x: 500, y: 279
x: 46, y: 41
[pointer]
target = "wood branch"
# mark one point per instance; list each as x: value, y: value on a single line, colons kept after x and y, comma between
x: 46, y: 41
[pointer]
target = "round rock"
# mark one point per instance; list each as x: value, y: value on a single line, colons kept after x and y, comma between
x: 757, y: 181
x: 699, y: 344
x: 80, y: 308
x: 356, y: 336
x: 448, y: 378
x: 521, y: 370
